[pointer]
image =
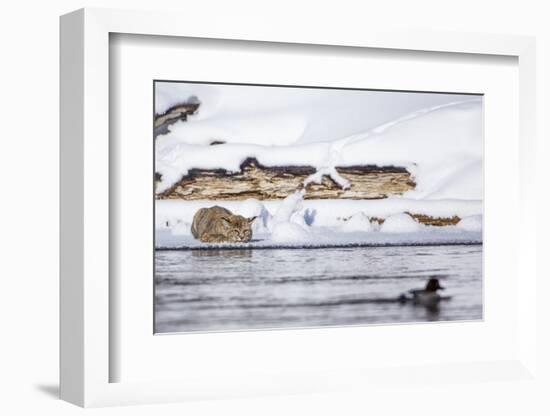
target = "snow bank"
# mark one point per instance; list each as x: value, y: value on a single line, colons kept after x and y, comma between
x: 289, y: 232
x: 471, y: 223
x: 328, y: 222
x: 181, y: 228
x: 284, y: 230
x: 253, y: 208
x: 326, y: 212
x: 289, y: 206
x: 441, y: 145
x: 400, y: 223
x: 281, y: 116
x: 357, y: 222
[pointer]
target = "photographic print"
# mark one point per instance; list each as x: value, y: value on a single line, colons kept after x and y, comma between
x: 300, y: 207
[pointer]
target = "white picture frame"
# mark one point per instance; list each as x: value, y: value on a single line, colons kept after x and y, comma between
x: 85, y: 221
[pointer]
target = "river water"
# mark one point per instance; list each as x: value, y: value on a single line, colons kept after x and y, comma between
x: 222, y: 290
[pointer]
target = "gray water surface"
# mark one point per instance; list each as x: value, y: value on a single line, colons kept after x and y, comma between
x: 221, y: 290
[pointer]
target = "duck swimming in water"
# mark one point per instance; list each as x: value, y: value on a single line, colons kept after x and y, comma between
x: 428, y: 296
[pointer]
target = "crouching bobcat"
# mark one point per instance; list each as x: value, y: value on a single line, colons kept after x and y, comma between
x: 219, y: 225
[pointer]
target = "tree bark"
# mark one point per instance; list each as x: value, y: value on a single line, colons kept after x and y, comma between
x: 424, y: 219
x: 260, y: 182
x: 173, y: 114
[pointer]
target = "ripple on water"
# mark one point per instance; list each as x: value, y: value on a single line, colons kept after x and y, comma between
x: 218, y: 290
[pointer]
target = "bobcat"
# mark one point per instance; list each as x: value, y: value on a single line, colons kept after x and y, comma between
x: 219, y: 225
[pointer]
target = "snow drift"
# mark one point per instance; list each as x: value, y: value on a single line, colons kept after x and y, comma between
x: 440, y: 145
x: 436, y: 137
x: 295, y: 222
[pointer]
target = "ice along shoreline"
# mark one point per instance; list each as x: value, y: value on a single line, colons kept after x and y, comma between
x: 421, y: 239
x: 311, y: 247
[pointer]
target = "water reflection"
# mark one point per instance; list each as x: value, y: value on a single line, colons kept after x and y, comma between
x: 221, y: 253
x: 217, y: 290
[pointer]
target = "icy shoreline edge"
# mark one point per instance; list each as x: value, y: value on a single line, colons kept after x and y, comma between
x: 312, y: 247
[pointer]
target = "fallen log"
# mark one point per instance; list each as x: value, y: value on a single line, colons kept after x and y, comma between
x: 277, y: 182
x: 423, y: 219
x: 436, y: 221
x: 173, y: 114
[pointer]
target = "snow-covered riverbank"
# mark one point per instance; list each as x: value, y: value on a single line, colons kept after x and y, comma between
x: 298, y: 223
x: 436, y: 138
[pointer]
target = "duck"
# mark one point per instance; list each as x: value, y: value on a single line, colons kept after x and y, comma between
x: 428, y: 296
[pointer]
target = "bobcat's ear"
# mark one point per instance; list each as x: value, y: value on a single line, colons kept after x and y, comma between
x: 251, y: 219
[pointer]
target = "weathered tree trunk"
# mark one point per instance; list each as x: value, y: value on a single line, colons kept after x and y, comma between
x: 424, y: 219
x: 173, y: 114
x: 261, y: 182
x: 437, y: 221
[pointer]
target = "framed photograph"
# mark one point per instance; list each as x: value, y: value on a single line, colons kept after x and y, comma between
x: 271, y: 213
x: 288, y: 206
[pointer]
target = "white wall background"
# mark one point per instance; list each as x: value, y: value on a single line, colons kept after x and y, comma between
x: 29, y: 208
